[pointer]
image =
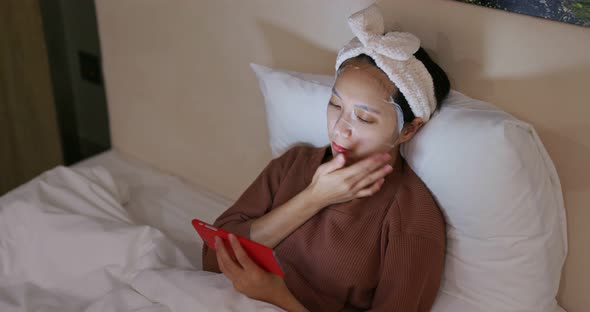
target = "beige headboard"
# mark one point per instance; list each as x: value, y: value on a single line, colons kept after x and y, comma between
x: 182, y: 97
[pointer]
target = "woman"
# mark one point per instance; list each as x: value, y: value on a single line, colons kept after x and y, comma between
x: 352, y: 225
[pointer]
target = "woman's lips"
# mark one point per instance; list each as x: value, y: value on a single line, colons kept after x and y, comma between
x: 339, y: 148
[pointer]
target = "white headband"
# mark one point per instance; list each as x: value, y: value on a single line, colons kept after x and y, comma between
x: 394, y: 54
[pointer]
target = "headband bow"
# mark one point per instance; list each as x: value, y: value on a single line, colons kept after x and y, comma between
x: 393, y: 53
x: 368, y: 27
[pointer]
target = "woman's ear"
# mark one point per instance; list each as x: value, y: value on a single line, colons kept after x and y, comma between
x: 410, y: 129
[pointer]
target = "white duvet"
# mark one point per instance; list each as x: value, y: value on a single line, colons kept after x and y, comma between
x: 68, y: 244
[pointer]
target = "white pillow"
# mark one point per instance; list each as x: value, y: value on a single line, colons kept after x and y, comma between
x: 295, y: 107
x: 502, y: 200
x: 490, y: 174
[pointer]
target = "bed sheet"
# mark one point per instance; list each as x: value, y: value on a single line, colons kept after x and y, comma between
x: 109, y: 234
x: 162, y: 200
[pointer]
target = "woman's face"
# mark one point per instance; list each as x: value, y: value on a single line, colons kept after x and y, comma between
x: 361, y: 119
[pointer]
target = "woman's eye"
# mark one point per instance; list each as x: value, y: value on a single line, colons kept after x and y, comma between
x: 334, y: 105
x: 365, y: 121
x: 363, y: 117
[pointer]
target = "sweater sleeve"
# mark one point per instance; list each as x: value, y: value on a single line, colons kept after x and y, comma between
x: 411, y: 271
x: 255, y: 202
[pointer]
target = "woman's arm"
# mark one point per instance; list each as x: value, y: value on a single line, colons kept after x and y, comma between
x: 288, y: 302
x: 413, y: 253
x: 411, y: 274
x: 280, y: 222
x: 331, y: 184
x: 252, y: 217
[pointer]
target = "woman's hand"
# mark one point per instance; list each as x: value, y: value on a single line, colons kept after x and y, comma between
x: 251, y: 280
x: 332, y: 184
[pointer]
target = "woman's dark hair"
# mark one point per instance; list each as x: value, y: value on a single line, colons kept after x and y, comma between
x: 441, y: 82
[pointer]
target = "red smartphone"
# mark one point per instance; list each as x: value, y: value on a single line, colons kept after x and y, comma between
x: 262, y: 255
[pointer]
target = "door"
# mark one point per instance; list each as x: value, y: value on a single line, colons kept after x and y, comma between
x: 29, y: 136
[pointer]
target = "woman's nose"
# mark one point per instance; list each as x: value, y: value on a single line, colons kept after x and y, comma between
x: 343, y: 128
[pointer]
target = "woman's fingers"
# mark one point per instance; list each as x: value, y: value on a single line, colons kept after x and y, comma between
x: 334, y: 184
x: 219, y: 262
x: 373, y: 177
x: 365, y: 167
x: 241, y: 254
x: 226, y: 263
x: 372, y: 189
x: 334, y: 164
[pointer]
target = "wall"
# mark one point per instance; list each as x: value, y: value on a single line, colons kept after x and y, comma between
x: 182, y: 96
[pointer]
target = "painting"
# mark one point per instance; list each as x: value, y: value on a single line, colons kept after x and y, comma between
x: 569, y: 11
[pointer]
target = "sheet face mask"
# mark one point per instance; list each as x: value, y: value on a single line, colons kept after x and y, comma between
x: 358, y: 123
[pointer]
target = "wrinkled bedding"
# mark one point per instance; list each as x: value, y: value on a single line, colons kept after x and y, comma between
x: 68, y: 243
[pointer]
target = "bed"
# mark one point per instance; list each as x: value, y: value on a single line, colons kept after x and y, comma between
x: 110, y: 234
x: 154, y: 57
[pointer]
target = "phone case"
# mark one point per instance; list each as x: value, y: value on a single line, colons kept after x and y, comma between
x: 260, y: 254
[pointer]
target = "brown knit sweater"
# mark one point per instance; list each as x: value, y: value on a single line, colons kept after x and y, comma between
x: 380, y: 253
